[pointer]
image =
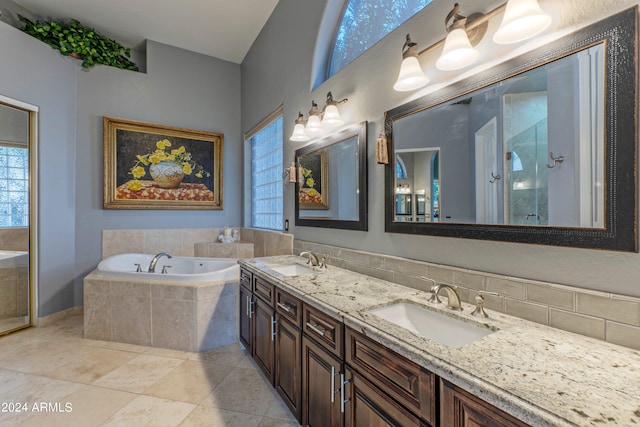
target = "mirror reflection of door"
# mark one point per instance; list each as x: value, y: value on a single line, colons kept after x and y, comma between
x: 15, y: 136
x: 417, y: 182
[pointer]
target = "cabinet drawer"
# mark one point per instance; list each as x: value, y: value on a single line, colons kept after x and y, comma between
x: 289, y: 307
x: 405, y: 381
x: 245, y: 278
x: 264, y: 289
x: 322, y: 328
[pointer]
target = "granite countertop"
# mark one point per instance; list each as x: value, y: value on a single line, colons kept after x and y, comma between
x: 541, y: 375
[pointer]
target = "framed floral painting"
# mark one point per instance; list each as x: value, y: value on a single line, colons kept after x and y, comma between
x: 313, y: 180
x: 150, y: 166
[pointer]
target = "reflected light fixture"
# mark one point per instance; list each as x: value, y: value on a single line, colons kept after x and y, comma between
x: 411, y: 76
x: 458, y: 52
x: 299, y: 135
x: 522, y: 20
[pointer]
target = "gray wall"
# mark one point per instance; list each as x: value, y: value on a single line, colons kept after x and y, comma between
x: 181, y: 88
x: 278, y: 70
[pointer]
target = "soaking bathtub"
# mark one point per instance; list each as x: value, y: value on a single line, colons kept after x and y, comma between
x: 193, y: 307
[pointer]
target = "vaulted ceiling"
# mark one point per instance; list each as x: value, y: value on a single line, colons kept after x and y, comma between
x: 224, y: 29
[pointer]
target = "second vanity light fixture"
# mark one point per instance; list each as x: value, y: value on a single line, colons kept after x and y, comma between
x: 522, y: 20
x: 318, y: 121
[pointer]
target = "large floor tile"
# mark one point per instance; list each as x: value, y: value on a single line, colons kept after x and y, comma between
x: 204, y: 416
x: 139, y: 373
x: 190, y: 382
x: 150, y: 411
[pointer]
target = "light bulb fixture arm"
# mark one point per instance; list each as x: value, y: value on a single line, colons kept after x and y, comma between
x: 330, y: 101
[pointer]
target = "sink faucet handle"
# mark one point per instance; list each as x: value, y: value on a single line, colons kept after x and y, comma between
x: 323, y: 261
x: 479, y: 310
x: 164, y: 269
x: 434, y: 293
x: 138, y: 268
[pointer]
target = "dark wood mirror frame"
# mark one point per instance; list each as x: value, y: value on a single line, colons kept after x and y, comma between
x: 359, y: 131
x: 619, y: 35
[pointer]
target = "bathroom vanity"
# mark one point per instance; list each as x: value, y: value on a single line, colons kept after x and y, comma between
x: 320, y: 339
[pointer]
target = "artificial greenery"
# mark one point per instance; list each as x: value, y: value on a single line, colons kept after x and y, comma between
x: 72, y: 38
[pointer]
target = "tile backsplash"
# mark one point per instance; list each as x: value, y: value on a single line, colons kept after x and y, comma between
x: 601, y: 315
x: 182, y: 242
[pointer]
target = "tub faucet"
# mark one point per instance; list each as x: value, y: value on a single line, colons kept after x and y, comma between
x: 313, y: 259
x: 453, y: 299
x: 154, y: 261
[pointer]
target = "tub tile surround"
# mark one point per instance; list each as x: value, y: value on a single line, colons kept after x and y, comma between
x: 604, y: 316
x: 14, y: 291
x: 14, y: 239
x: 186, y: 242
x: 182, y: 316
x: 540, y: 374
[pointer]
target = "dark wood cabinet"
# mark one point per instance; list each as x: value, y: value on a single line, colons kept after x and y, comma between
x: 403, y: 380
x: 320, y: 386
x: 459, y: 408
x: 287, y: 381
x: 264, y: 337
x: 246, y: 318
x: 366, y: 405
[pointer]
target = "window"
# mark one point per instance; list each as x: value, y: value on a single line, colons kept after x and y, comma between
x: 365, y: 22
x: 266, y: 175
x: 14, y: 186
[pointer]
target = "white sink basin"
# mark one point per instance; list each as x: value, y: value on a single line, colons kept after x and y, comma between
x: 431, y: 324
x: 291, y: 269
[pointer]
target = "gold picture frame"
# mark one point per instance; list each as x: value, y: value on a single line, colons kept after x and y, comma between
x: 152, y: 166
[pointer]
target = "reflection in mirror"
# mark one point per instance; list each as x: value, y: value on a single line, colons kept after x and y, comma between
x: 14, y: 217
x: 499, y: 141
x: 522, y: 147
x: 331, y: 188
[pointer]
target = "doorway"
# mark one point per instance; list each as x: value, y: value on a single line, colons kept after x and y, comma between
x: 18, y: 131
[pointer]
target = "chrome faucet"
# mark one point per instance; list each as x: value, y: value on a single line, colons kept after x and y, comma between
x: 154, y: 261
x: 313, y: 259
x: 453, y: 299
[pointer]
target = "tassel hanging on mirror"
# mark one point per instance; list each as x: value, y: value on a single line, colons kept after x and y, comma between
x: 382, y: 152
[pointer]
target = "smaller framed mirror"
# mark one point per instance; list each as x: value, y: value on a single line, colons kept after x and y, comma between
x: 331, y: 186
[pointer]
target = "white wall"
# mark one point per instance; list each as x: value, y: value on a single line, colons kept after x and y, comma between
x: 278, y: 71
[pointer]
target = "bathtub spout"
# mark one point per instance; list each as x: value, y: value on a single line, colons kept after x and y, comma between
x: 154, y: 261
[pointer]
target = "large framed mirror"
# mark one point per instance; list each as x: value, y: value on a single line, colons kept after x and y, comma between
x: 540, y: 149
x: 331, y: 187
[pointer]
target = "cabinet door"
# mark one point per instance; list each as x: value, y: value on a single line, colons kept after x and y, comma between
x: 368, y: 406
x: 320, y: 386
x: 246, y: 315
x: 459, y: 408
x: 264, y: 337
x: 287, y: 376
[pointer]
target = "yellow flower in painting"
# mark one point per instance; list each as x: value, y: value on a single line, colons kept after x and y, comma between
x: 137, y: 172
x: 142, y: 160
x: 186, y: 168
x: 306, y: 172
x: 181, y: 149
x: 311, y: 182
x: 134, y: 185
x: 155, y: 158
x: 312, y: 193
x: 162, y: 144
x: 174, y: 151
x: 199, y: 175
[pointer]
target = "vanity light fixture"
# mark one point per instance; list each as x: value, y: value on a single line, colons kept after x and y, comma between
x: 319, y: 121
x: 457, y: 52
x: 299, y: 135
x: 522, y: 20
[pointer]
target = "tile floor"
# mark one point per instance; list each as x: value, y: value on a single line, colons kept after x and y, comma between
x: 58, y: 378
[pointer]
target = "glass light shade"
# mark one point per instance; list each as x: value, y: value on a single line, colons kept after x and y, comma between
x: 522, y: 20
x: 314, y: 128
x: 458, y: 52
x: 299, y: 134
x: 331, y: 117
x: 411, y: 76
